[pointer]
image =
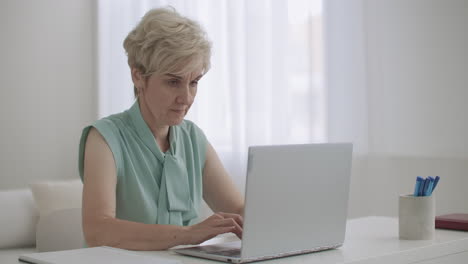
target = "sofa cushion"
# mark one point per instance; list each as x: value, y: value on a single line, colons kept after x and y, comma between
x: 18, y: 218
x: 60, y: 230
x: 57, y: 195
x: 59, y: 204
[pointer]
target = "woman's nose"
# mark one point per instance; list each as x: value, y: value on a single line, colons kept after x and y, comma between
x: 185, y: 96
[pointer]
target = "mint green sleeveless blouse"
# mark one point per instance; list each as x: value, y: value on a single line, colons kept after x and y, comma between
x: 153, y: 187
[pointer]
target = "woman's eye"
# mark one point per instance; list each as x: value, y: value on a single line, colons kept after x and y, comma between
x: 173, y: 82
x: 194, y: 83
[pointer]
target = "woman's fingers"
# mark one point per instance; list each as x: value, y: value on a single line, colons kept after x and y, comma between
x: 235, y: 220
x: 230, y: 222
x: 238, y: 218
x: 225, y: 229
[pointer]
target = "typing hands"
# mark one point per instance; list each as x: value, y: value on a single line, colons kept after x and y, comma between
x: 214, y: 225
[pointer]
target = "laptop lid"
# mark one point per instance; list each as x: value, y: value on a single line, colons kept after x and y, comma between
x: 296, y: 198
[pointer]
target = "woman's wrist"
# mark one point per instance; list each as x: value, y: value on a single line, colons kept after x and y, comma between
x: 167, y: 236
x: 183, y: 236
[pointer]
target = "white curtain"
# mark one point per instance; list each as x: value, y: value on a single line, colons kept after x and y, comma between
x: 266, y: 81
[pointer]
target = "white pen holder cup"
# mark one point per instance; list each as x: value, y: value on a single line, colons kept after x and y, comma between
x: 416, y: 217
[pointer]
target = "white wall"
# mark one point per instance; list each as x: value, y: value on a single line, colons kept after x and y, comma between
x: 398, y: 77
x: 47, y: 87
x: 418, y: 78
x: 418, y: 69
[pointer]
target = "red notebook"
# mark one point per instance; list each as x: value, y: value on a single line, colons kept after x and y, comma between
x: 452, y: 221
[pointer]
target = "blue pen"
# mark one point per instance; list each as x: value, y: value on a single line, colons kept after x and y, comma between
x: 426, y: 186
x: 430, y: 187
x: 421, y: 187
x: 436, y: 180
x: 419, y: 180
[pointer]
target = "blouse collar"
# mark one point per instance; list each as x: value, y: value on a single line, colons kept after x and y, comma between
x: 144, y: 132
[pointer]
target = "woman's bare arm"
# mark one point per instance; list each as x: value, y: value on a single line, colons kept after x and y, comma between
x: 219, y: 191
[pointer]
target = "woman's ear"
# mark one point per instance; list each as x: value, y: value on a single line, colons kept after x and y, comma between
x: 137, y: 78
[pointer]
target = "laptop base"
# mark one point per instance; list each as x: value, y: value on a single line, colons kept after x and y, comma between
x: 228, y: 252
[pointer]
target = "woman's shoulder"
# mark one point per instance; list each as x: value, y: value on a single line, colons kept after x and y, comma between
x: 193, y: 138
x: 113, y: 128
x: 115, y: 122
x: 109, y: 129
x: 189, y: 127
x: 119, y: 119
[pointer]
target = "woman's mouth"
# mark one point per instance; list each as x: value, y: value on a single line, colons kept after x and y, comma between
x: 179, y: 111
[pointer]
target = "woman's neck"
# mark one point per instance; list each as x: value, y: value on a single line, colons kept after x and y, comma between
x: 160, y: 133
x: 162, y: 138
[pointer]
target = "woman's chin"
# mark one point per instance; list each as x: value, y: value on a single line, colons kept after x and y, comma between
x: 176, y: 118
x: 176, y: 121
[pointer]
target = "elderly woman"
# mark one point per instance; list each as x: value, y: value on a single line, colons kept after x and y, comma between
x: 146, y: 170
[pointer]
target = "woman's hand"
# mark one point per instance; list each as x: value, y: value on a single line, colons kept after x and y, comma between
x: 214, y: 225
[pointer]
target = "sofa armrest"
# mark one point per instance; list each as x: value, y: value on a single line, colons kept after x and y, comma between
x: 18, y: 218
x: 11, y: 255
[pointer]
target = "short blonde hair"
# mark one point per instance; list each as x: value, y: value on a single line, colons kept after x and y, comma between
x: 166, y: 42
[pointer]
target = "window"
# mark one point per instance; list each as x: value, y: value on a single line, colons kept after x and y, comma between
x: 266, y: 81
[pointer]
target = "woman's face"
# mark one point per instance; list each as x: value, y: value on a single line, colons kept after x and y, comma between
x: 166, y: 99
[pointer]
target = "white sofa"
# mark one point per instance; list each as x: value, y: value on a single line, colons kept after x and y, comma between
x: 44, y: 217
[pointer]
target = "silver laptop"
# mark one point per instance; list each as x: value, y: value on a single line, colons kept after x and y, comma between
x: 296, y: 201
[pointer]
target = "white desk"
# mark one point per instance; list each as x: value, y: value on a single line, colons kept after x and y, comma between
x: 368, y: 240
x: 374, y: 240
